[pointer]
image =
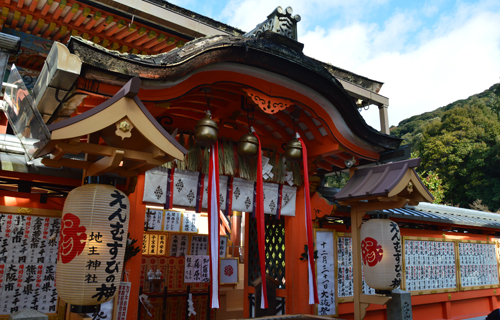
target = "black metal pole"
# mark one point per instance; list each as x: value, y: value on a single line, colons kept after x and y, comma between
x: 165, y: 296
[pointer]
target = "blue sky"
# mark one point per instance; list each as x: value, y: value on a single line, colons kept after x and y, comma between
x: 428, y: 53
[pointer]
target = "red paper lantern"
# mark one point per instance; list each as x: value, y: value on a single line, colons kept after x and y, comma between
x: 92, y: 243
x: 381, y: 253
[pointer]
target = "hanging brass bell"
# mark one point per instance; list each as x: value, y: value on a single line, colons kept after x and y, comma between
x: 205, y: 131
x: 293, y: 150
x: 248, y: 146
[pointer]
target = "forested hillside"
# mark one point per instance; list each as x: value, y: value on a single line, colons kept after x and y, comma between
x: 460, y: 149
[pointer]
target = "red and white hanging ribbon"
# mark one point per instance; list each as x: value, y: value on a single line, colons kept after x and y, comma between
x: 280, y: 199
x: 199, y: 192
x: 261, y: 227
x: 229, y: 197
x: 170, y: 189
x: 213, y: 223
x: 313, y: 292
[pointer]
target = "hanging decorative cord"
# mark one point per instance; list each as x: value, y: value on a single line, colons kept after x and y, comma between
x: 208, y: 91
x: 250, y: 116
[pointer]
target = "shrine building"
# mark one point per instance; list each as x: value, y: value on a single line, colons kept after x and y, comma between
x: 212, y: 145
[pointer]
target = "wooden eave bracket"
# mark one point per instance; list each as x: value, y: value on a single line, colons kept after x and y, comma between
x: 106, y: 164
x: 112, y: 157
x: 134, y: 141
x: 267, y: 103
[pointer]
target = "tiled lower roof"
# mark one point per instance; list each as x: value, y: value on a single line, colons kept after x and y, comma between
x: 445, y: 214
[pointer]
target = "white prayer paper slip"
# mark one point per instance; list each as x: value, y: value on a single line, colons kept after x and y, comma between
x: 267, y: 169
x: 265, y: 161
x: 289, y: 177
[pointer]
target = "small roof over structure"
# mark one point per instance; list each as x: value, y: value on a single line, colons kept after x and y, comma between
x: 387, y: 182
x: 430, y: 212
x: 134, y: 141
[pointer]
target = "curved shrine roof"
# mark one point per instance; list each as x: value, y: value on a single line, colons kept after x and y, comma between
x: 270, y: 52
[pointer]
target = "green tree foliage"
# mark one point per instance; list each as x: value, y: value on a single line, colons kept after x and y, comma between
x: 461, y: 141
x: 432, y: 182
x: 435, y: 185
x: 339, y: 180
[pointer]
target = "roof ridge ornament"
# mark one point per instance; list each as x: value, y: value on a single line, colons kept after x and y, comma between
x: 279, y: 21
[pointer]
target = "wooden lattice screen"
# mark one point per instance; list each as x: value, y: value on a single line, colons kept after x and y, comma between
x: 275, y: 250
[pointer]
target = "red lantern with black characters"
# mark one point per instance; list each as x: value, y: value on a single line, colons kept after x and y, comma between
x: 381, y: 252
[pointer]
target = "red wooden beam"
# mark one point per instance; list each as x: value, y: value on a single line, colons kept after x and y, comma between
x: 141, y: 32
x: 126, y: 31
x: 40, y: 23
x: 151, y: 35
x: 336, y: 162
x: 15, y: 19
x: 62, y: 31
x: 154, y: 41
x: 159, y: 48
x: 93, y: 20
x: 38, y: 63
x: 27, y: 22
x: 325, y: 166
x: 46, y: 7
x: 83, y: 15
x: 103, y: 24
x: 59, y: 10
x: 73, y: 32
x: 114, y: 29
x: 322, y: 150
x: 49, y: 30
x: 343, y: 155
x: 71, y: 13
x: 33, y: 5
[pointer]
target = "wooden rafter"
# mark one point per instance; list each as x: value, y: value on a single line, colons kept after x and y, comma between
x: 134, y: 38
x: 71, y: 13
x: 335, y: 162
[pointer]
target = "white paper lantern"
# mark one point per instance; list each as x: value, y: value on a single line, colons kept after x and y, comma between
x: 92, y: 244
x: 381, y: 253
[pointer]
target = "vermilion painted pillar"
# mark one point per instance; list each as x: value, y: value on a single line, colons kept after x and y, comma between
x: 296, y: 274
x: 136, y: 229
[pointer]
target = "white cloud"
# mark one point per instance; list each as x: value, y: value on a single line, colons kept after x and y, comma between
x: 460, y: 61
x: 246, y: 14
x: 423, y: 65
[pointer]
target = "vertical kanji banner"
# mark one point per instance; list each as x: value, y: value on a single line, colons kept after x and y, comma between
x: 123, y: 298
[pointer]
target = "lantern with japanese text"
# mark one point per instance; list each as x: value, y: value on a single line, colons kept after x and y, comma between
x: 92, y: 244
x: 381, y: 252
